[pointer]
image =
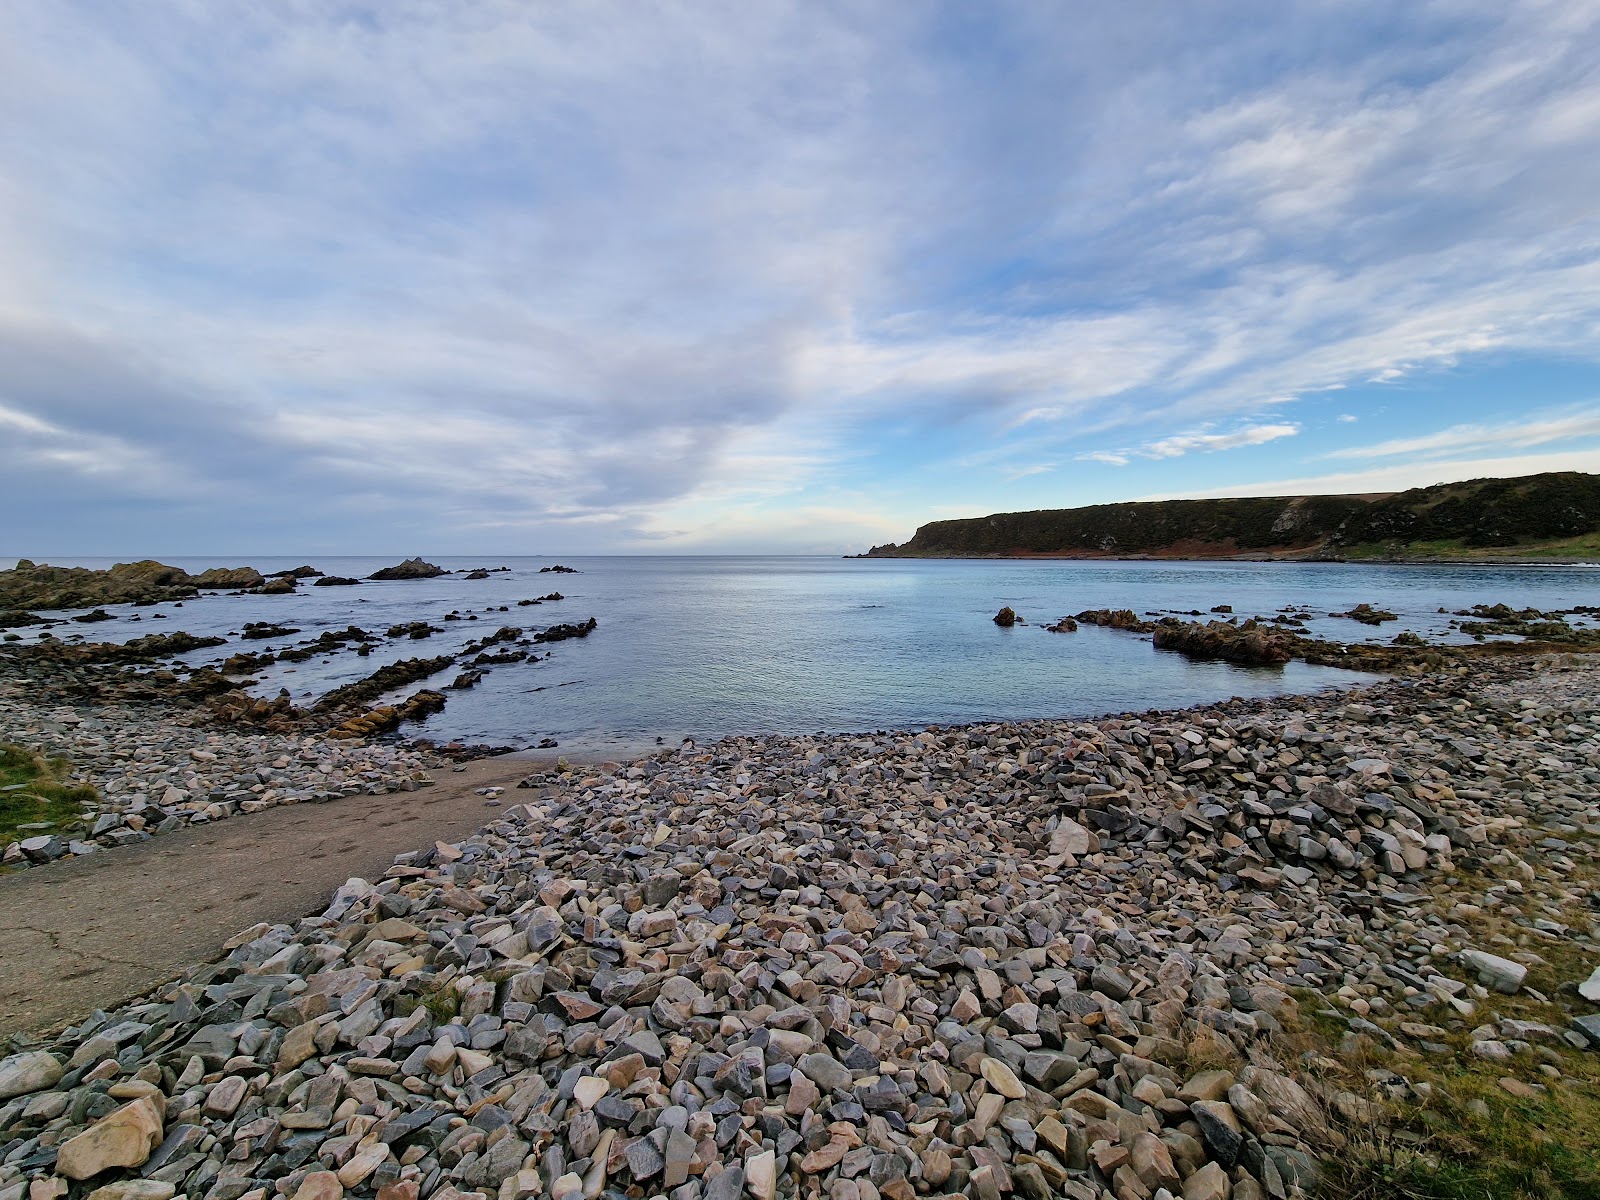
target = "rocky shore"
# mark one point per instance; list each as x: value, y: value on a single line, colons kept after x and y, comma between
x: 159, y: 767
x: 1077, y: 959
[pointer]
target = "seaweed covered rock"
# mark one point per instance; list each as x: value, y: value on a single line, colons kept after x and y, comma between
x: 32, y: 585
x: 1119, y: 618
x: 1250, y: 643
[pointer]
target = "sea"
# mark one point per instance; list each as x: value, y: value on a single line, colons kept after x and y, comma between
x: 706, y: 647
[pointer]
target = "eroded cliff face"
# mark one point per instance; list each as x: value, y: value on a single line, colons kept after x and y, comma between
x: 1482, y: 514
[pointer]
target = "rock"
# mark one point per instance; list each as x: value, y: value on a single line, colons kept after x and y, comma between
x: 411, y: 568
x: 1152, y: 1162
x: 1221, y: 1128
x: 1002, y: 1079
x: 1210, y: 1182
x: 135, y: 1189
x: 32, y: 1071
x: 1248, y: 643
x: 825, y: 1071
x: 1495, y: 972
x: 320, y: 1185
x: 125, y: 1138
x: 761, y: 1175
x: 229, y: 577
x: 1005, y: 618
x: 1589, y: 989
x: 1068, y: 837
x: 1588, y: 1026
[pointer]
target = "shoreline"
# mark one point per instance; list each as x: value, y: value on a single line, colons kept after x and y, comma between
x: 927, y: 936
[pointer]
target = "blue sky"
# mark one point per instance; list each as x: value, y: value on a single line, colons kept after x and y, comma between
x: 765, y: 276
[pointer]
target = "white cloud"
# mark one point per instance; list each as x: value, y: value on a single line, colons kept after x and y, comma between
x: 1348, y: 418
x: 1209, y: 443
x: 1537, y: 431
x: 1401, y: 476
x: 541, y: 268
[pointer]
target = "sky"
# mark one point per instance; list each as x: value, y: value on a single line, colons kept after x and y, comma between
x: 759, y: 276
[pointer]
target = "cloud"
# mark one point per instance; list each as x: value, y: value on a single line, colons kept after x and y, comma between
x: 1348, y: 418
x: 1537, y: 431
x: 1401, y: 476
x: 581, y: 276
x: 1209, y: 443
x: 1198, y: 441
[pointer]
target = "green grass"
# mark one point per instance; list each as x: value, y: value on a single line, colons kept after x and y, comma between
x: 1584, y: 546
x: 1472, y: 1139
x: 32, y: 792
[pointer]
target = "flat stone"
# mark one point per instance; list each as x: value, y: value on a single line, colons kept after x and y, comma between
x: 1002, y: 1079
x: 1495, y: 972
x: 124, y: 1138
x: 135, y: 1189
x: 30, y: 1072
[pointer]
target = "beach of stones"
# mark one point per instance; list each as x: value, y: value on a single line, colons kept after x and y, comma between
x: 1037, y: 959
x: 158, y: 769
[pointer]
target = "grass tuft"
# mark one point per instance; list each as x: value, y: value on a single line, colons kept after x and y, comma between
x: 35, y: 792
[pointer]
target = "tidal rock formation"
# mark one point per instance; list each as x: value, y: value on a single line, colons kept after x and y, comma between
x: 1249, y: 643
x: 229, y: 577
x: 412, y: 568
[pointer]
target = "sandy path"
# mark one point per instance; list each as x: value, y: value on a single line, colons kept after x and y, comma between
x: 91, y: 932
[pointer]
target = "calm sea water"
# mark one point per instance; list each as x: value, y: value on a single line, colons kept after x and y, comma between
x: 705, y: 647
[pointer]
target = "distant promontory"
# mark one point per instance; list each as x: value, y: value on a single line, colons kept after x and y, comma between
x: 1553, y: 516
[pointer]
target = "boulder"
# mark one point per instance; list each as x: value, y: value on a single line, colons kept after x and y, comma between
x: 1495, y: 972
x: 1005, y: 618
x: 123, y: 1139
x: 30, y: 1072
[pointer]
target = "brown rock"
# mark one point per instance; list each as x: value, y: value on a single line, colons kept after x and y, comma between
x: 125, y: 1138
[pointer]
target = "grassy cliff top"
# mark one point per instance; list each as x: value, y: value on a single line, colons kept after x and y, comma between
x: 1554, y: 516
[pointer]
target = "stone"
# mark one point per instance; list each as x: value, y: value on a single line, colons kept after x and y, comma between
x: 226, y: 1096
x: 1152, y: 1162
x: 135, y: 1189
x: 1589, y: 989
x: 825, y: 1071
x: 1495, y: 972
x: 761, y: 1175
x: 1220, y: 1127
x: 1002, y: 1079
x: 1210, y: 1182
x: 124, y: 1138
x: 32, y: 1071
x: 320, y: 1185
x: 360, y: 1166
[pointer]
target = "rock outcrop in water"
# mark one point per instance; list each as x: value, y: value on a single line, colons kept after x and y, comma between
x: 412, y: 568
x: 40, y: 586
x: 1248, y: 643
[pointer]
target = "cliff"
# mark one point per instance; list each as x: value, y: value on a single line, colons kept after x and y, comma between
x: 1554, y: 515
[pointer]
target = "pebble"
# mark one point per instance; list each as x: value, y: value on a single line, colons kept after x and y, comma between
x: 157, y: 772
x: 864, y: 967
